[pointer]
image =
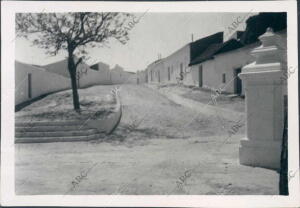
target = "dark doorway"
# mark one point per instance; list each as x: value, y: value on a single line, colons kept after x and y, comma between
x: 238, y: 82
x: 29, y: 86
x: 200, y: 76
x: 158, y: 76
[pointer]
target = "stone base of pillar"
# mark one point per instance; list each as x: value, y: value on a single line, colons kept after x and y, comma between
x: 265, y: 154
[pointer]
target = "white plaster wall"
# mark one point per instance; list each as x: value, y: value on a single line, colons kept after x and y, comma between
x: 129, y: 78
x: 116, y: 77
x: 104, y: 70
x: 91, y: 77
x: 149, y: 72
x: 173, y: 61
x: 42, y: 82
x: 88, y: 76
x: 225, y: 63
x: 194, y: 75
x: 102, y: 66
x: 60, y: 67
x: 122, y: 77
x: 156, y: 69
x: 230, y: 61
x: 119, y: 76
x: 142, y: 76
x: 212, y: 78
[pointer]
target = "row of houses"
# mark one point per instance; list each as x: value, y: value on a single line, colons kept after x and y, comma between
x: 32, y: 81
x: 209, y: 62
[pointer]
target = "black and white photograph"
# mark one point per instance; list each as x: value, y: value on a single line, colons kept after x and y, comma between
x: 109, y: 103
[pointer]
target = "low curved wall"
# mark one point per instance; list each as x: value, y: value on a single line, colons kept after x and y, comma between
x: 109, y: 124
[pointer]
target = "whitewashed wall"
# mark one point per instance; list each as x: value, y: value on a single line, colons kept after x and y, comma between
x: 181, y: 56
x: 122, y: 77
x: 171, y: 62
x: 56, y: 77
x: 90, y: 77
x: 225, y: 63
x: 61, y: 67
x: 142, y: 77
x: 116, y: 77
x: 129, y: 77
x: 154, y: 70
x: 228, y: 62
x: 42, y: 82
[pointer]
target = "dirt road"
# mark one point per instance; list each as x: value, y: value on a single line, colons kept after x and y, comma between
x: 159, y: 148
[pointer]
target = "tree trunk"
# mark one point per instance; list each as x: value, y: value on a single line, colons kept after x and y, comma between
x: 72, y: 71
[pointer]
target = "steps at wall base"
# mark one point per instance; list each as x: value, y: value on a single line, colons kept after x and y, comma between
x: 57, y: 139
x: 50, y: 128
x: 41, y: 133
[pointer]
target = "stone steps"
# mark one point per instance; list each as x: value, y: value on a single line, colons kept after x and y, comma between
x: 85, y: 132
x: 48, y: 123
x: 56, y: 131
x: 57, y: 139
x: 50, y: 128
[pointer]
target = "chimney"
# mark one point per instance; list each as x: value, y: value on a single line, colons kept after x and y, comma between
x: 192, y: 36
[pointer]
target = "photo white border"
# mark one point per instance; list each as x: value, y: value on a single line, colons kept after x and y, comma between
x: 8, y: 197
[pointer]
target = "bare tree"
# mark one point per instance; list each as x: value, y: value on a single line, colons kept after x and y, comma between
x: 74, y: 33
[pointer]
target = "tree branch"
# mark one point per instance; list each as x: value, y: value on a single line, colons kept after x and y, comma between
x: 78, y: 62
x: 68, y: 31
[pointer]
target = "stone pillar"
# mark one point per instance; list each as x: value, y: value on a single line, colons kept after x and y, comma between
x: 264, y: 104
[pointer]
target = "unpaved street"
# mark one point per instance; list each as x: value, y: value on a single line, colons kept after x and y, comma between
x: 160, y: 147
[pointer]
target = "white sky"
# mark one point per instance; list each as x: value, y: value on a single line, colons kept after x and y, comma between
x: 156, y: 33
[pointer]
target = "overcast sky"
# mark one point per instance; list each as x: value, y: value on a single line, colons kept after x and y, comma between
x: 156, y: 33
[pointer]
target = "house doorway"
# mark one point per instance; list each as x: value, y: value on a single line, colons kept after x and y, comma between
x: 29, y: 86
x: 158, y: 76
x: 200, y: 76
x: 238, y: 82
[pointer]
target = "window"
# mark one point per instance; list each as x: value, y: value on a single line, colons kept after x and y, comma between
x: 224, y: 78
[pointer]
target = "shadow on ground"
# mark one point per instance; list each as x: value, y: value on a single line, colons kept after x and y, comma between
x: 129, y: 135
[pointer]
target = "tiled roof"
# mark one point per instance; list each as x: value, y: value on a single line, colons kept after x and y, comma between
x: 199, y: 46
x: 258, y: 24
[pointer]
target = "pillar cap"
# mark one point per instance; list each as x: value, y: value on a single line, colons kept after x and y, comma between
x: 266, y: 76
x: 254, y: 67
x: 268, y: 38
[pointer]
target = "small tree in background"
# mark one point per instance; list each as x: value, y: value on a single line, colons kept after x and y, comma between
x: 72, y: 32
